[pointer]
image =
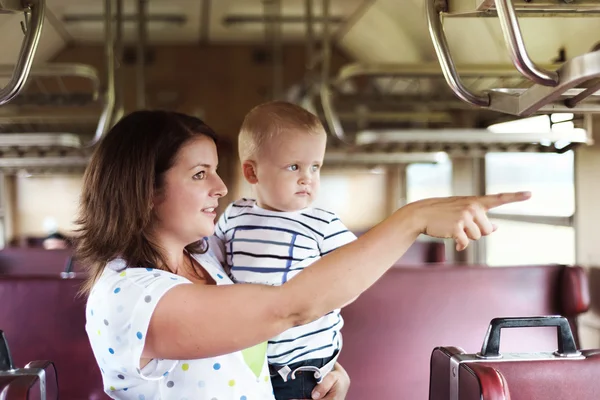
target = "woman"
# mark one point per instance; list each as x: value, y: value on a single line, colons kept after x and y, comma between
x: 163, y: 319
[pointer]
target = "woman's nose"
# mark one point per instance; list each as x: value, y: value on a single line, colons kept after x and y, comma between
x: 220, y: 189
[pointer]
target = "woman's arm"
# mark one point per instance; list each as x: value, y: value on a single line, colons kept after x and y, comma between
x: 197, y: 321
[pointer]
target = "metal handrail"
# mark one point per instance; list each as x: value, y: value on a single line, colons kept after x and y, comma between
x: 516, y: 47
x: 443, y: 53
x: 333, y: 121
x: 32, y: 37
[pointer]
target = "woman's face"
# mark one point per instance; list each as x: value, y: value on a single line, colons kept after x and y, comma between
x: 185, y: 207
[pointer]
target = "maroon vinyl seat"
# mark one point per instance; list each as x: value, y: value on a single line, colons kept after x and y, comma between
x: 43, y: 319
x: 392, y: 328
x: 35, y: 261
x: 421, y: 253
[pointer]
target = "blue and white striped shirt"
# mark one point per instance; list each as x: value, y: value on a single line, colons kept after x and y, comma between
x: 271, y: 247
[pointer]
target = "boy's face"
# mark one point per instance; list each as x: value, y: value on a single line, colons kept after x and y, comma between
x: 288, y: 171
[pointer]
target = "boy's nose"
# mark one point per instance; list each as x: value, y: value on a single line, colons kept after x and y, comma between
x: 305, y: 180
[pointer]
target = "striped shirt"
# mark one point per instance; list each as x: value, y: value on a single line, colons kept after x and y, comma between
x: 271, y: 247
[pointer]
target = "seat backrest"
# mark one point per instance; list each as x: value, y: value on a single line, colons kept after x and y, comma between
x: 34, y: 261
x: 391, y: 329
x: 421, y: 252
x: 43, y: 319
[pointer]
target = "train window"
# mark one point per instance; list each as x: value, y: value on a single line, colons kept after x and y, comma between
x: 428, y: 180
x: 522, y: 243
x: 345, y: 191
x: 537, y: 231
x: 550, y: 177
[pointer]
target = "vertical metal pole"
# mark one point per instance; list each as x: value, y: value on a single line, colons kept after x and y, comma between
x: 310, y: 44
x: 326, y: 61
x: 118, y: 68
x: 109, y: 40
x: 141, y: 54
x: 273, y: 34
x: 277, y: 50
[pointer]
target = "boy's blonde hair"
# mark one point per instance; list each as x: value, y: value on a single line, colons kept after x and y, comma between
x: 268, y: 120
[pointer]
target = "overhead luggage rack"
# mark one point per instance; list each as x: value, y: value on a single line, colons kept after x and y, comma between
x: 359, y: 156
x: 58, y: 99
x: 470, y: 142
x: 423, y: 97
x: 37, y: 165
x: 62, y: 112
x: 24, y: 125
x: 571, y: 87
x: 416, y: 87
x: 391, y: 111
x: 42, y: 142
x: 53, y: 85
x: 370, y: 96
x: 33, y: 11
x: 42, y: 153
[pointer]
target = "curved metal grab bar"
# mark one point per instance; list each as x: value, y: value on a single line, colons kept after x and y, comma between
x: 25, y: 60
x: 516, y: 47
x: 448, y: 68
x: 333, y: 122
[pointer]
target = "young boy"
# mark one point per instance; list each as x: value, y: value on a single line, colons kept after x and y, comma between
x: 270, y: 239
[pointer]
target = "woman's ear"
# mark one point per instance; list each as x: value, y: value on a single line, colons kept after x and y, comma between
x: 249, y: 171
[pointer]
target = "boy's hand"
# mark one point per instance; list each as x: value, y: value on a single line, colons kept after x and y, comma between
x: 335, y: 385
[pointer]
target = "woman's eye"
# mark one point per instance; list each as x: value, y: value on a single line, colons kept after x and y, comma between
x: 293, y: 167
x: 200, y: 175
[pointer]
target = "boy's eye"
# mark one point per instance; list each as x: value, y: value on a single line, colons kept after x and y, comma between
x: 200, y: 175
x: 315, y: 167
x: 293, y: 167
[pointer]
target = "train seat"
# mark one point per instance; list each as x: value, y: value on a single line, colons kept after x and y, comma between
x: 43, y: 319
x: 421, y: 252
x: 34, y: 261
x: 391, y: 329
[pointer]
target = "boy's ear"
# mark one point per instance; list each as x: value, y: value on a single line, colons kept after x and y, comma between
x: 249, y: 171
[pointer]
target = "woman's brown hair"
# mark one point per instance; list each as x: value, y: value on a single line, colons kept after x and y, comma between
x: 126, y: 170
